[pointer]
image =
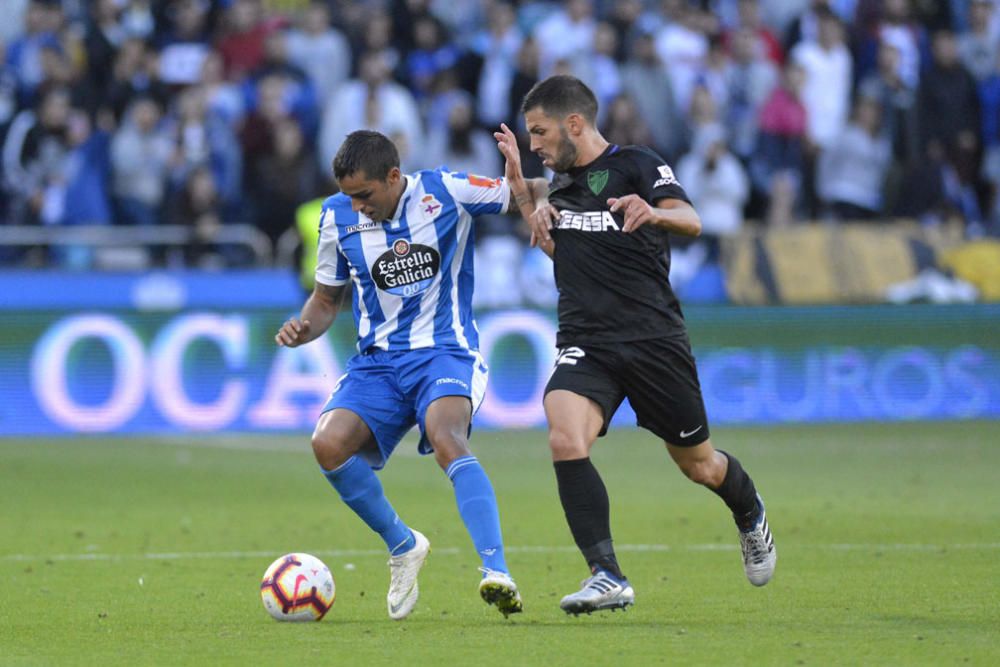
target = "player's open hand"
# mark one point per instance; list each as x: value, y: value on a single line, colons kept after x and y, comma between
x: 507, y: 143
x: 636, y: 210
x: 292, y: 333
x: 541, y: 221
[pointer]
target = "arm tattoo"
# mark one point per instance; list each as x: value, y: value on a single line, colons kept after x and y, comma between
x: 332, y: 293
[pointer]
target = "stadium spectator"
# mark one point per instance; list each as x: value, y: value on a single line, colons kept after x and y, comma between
x: 320, y: 50
x: 565, y: 34
x: 202, y: 139
x: 949, y: 115
x: 498, y: 44
x: 25, y: 52
x: 989, y: 100
x: 646, y: 80
x: 702, y: 116
x: 751, y: 80
x: 375, y: 101
x: 55, y: 165
x: 197, y: 205
x: 826, y: 92
x: 462, y: 146
x: 297, y: 91
x: 626, y: 18
x: 764, y: 42
x: 778, y: 163
x: 142, y: 155
x: 245, y: 32
x: 599, y: 69
x: 223, y: 99
x: 431, y: 55
x: 682, y: 47
x: 893, y: 23
x: 978, y: 47
x: 716, y: 182
x: 135, y: 72
x: 105, y: 34
x: 185, y: 44
x: 853, y: 168
x: 897, y: 103
x: 623, y: 125
x: 282, y: 179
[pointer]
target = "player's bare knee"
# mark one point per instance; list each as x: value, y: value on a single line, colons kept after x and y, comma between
x: 449, y: 443
x: 565, y: 446
x: 331, y: 449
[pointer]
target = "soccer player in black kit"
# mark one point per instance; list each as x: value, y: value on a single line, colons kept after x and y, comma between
x: 605, y: 220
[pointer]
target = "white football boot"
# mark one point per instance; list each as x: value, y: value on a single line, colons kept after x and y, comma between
x: 403, y: 570
x: 601, y: 591
x: 498, y: 588
x: 759, y: 553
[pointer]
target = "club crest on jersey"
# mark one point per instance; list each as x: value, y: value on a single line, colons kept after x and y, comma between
x: 666, y: 176
x: 407, y: 269
x: 430, y: 206
x: 596, y: 180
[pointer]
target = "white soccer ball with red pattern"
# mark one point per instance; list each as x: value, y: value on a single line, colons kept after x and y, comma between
x: 298, y: 587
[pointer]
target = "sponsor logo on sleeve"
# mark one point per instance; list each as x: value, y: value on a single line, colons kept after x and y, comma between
x: 666, y: 176
x: 483, y: 182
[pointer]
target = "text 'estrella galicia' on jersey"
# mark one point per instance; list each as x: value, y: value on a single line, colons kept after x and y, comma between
x: 413, y: 273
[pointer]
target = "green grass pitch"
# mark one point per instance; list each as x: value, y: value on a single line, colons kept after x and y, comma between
x: 147, y: 551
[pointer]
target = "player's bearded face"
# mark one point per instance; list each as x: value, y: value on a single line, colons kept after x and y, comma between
x: 565, y: 155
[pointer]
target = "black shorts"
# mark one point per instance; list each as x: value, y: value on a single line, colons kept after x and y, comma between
x: 658, y: 377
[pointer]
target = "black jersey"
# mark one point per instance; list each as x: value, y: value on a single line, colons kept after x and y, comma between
x: 613, y: 286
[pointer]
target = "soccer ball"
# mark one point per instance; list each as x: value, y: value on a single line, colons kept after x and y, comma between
x: 298, y: 587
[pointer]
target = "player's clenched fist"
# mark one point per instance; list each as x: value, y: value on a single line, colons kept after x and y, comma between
x: 293, y: 333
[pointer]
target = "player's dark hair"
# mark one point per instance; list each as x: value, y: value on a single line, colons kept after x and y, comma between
x: 561, y: 95
x: 366, y: 151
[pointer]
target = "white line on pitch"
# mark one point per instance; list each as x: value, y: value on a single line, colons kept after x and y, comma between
x: 451, y: 551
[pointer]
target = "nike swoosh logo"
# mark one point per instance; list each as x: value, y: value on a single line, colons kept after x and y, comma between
x: 396, y: 607
x: 298, y: 582
x: 688, y: 434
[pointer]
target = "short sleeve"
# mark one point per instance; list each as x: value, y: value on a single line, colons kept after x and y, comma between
x: 655, y: 179
x: 478, y: 195
x: 331, y: 265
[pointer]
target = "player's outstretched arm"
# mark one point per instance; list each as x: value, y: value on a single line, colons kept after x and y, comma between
x: 674, y: 215
x: 530, y: 195
x: 318, y: 313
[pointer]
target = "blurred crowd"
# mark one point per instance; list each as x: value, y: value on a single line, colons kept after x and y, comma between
x: 210, y: 112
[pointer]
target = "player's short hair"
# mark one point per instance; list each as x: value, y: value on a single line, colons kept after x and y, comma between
x: 560, y: 96
x: 366, y: 151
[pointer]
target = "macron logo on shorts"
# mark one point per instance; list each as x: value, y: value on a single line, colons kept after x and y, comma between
x: 460, y: 383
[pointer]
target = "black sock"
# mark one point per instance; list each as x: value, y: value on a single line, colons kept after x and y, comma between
x: 739, y: 493
x: 585, y: 502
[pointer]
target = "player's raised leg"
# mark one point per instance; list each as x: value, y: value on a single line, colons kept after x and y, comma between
x: 340, y: 436
x: 446, y: 426
x: 574, y: 424
x: 723, y: 474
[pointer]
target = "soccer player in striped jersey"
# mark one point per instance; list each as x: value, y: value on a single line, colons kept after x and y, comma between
x: 405, y: 244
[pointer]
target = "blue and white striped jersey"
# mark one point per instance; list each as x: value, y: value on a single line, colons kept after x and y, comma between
x: 413, y: 273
